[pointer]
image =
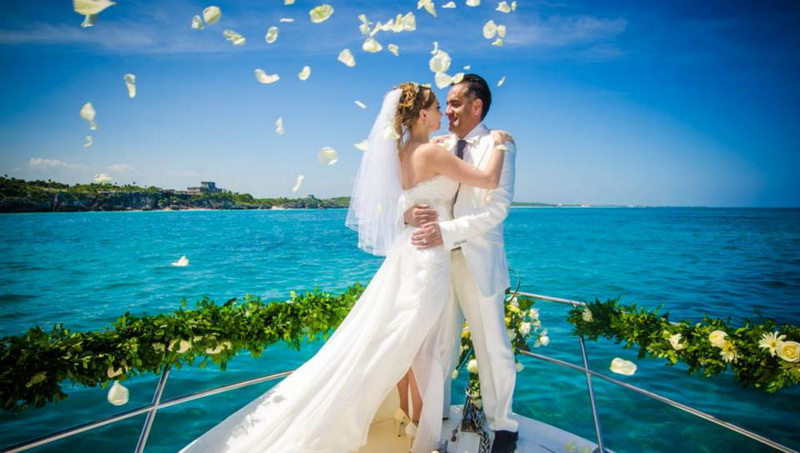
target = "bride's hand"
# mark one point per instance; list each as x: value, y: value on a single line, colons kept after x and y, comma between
x: 501, y: 137
x: 420, y: 214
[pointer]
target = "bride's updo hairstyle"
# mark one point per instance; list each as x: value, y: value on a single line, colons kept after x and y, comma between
x: 413, y: 99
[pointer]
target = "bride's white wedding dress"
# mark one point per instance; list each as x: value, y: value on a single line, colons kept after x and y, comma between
x: 327, y: 404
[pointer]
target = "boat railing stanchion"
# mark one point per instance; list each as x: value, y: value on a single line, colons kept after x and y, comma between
x: 590, y: 388
x: 151, y: 414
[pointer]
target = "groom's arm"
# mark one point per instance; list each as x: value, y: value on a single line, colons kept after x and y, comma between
x: 465, y: 228
x: 453, y: 233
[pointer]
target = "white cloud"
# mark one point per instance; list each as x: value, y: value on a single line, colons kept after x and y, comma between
x: 53, y: 165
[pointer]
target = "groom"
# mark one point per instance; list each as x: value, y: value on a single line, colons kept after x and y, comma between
x: 479, y: 269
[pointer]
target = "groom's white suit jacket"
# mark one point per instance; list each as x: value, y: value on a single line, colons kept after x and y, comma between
x: 478, y: 215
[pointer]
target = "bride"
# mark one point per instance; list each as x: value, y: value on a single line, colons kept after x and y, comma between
x: 390, y: 337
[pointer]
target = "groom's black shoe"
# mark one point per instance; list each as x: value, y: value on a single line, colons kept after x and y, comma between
x: 505, y: 442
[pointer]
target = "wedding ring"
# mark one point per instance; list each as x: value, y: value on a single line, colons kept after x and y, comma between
x: 424, y: 242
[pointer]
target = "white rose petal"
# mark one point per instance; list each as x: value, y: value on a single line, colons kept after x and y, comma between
x: 472, y: 366
x: 88, y: 113
x: 363, y: 145
x: 498, y: 42
x: 89, y: 20
x: 361, y: 104
x: 279, y: 126
x: 347, y: 58
x: 520, y: 367
x: 235, y: 38
x: 408, y: 22
x: 501, y: 31
x: 327, y: 156
x: 299, y: 183
x: 440, y: 62
x: 621, y: 366
x: 288, y: 2
x: 449, y: 5
x: 286, y: 20
x: 473, y: 3
x: 112, y: 373
x: 305, y: 73
x: 717, y: 338
x: 320, y: 13
x: 428, y: 5
x: 89, y: 141
x: 467, y: 67
x: 197, y: 23
x: 514, y: 5
x: 130, y: 83
x: 118, y: 394
x: 457, y: 78
x: 435, y: 48
x: 183, y: 346
x: 442, y: 80
x: 501, y: 81
x: 489, y: 29
x: 272, y: 35
x: 371, y: 46
x: 587, y: 315
x: 102, y: 178
x: 182, y: 262
x: 211, y: 15
x: 90, y: 7
x: 263, y: 77
x: 503, y: 7
x: 394, y: 49
x: 675, y: 341
x: 389, y: 133
x: 789, y: 351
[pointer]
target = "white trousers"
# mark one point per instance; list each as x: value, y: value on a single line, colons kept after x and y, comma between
x: 486, y: 320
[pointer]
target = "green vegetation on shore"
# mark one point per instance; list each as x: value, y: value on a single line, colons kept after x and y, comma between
x: 18, y: 195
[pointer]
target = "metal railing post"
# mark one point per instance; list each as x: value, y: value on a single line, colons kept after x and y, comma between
x: 151, y: 414
x: 590, y: 387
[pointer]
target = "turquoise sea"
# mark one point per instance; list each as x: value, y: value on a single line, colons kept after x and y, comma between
x: 85, y: 269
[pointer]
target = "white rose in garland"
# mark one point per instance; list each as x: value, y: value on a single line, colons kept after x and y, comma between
x: 717, y: 338
x: 789, y: 351
x: 587, y: 315
x: 675, y: 341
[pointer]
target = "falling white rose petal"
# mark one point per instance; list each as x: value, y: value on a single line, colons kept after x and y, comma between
x: 473, y: 3
x: 197, y: 23
x: 514, y: 5
x: 211, y: 15
x: 442, y: 80
x: 272, y: 35
x: 501, y: 31
x: 498, y: 42
x: 449, y: 5
x: 501, y: 81
x: 621, y: 366
x: 89, y: 141
x: 489, y: 29
x: 102, y: 178
x: 88, y: 114
x: 435, y: 48
x: 389, y: 132
x: 182, y: 262
x: 235, y: 38
x: 364, y: 28
x: 130, y: 83
x: 118, y: 394
x: 90, y: 7
x: 467, y: 67
x: 299, y: 183
x: 363, y: 145
x: 89, y: 20
x: 503, y: 7
x: 320, y: 13
x: 327, y: 156
x: 405, y: 23
x: 288, y: 2
x: 361, y: 104
x: 279, y: 126
x: 440, y: 62
x: 428, y: 5
x: 347, y: 58
x: 457, y: 78
x: 286, y: 20
x: 305, y: 73
x: 372, y: 46
x: 263, y: 77
x: 394, y: 49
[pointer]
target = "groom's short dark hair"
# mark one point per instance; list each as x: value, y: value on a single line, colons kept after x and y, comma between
x: 477, y: 88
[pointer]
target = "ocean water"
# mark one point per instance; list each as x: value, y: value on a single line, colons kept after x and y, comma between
x: 85, y: 269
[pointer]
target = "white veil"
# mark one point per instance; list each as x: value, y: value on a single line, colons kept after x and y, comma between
x: 374, y: 210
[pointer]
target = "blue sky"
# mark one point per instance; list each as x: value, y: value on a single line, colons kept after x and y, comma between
x: 611, y: 102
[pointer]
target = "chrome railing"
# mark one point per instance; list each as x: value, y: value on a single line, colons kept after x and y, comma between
x: 157, y: 403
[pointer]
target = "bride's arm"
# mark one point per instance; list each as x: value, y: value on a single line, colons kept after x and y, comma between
x: 446, y: 163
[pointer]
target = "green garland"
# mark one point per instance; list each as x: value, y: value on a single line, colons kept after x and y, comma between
x: 763, y: 355
x: 34, y: 366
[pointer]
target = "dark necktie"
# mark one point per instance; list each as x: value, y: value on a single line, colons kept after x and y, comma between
x: 460, y: 148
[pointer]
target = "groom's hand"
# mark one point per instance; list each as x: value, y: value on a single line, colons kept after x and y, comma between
x: 429, y: 235
x: 419, y: 215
